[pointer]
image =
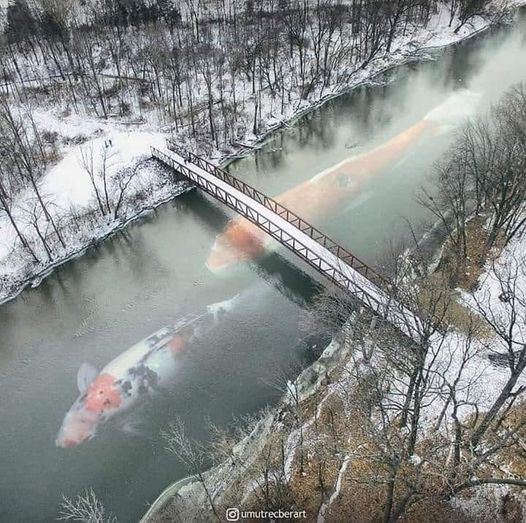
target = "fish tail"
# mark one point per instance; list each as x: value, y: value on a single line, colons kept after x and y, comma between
x: 459, y: 105
x: 222, y: 306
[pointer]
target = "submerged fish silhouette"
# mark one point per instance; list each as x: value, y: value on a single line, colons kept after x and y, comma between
x: 140, y: 370
x: 241, y: 240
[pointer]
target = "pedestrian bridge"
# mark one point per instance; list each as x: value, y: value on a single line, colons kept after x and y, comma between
x: 328, y: 258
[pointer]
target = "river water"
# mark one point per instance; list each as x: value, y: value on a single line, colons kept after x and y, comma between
x: 94, y: 308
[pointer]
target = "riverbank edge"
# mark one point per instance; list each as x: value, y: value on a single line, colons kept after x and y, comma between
x: 34, y: 279
x: 412, y: 56
x: 307, y: 383
x: 333, y: 353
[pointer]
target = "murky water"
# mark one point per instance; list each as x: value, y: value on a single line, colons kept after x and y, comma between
x: 94, y: 308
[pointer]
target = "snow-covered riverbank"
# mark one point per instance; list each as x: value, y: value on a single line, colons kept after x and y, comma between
x: 68, y: 189
x: 117, y: 154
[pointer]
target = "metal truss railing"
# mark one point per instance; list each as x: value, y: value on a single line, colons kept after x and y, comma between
x: 288, y: 215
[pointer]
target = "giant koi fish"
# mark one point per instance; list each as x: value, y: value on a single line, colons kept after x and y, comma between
x: 143, y: 368
x: 242, y: 240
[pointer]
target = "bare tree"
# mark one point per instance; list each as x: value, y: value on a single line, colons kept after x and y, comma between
x: 483, y: 179
x: 191, y: 453
x: 87, y: 161
x: 85, y: 507
x: 508, y: 323
x: 466, y: 10
x: 6, y: 206
x: 27, y: 159
x: 123, y: 180
x: 34, y: 217
x: 450, y: 202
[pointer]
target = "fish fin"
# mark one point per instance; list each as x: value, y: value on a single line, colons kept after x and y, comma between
x: 85, y: 375
x: 130, y: 428
x: 360, y: 200
x: 132, y: 425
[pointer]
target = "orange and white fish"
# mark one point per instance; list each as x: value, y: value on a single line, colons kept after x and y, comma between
x: 242, y: 240
x: 140, y: 370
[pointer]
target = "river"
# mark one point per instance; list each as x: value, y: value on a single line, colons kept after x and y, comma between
x: 95, y: 307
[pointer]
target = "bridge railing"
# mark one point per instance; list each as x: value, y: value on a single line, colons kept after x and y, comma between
x: 288, y: 215
x: 332, y: 272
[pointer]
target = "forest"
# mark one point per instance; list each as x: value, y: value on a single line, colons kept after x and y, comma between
x: 213, y: 74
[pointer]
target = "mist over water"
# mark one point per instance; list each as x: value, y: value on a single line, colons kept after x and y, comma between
x: 94, y: 308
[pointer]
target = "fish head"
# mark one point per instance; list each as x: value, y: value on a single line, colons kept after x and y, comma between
x: 100, y: 400
x: 239, y: 241
x: 79, y: 425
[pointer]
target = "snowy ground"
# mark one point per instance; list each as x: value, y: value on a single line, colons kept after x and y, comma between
x: 500, y: 297
x: 69, y: 191
x: 68, y: 186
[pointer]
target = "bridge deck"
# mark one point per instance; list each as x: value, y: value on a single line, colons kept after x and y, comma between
x: 304, y: 244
